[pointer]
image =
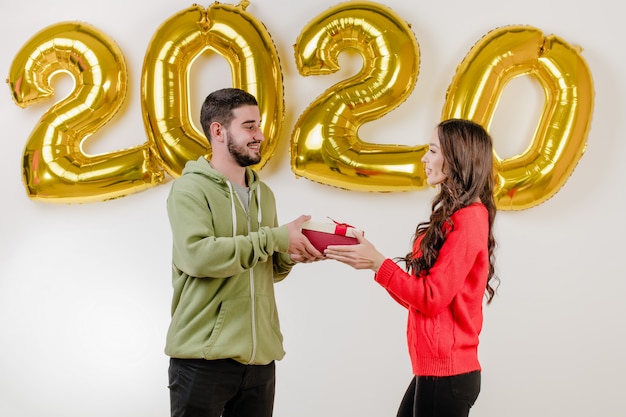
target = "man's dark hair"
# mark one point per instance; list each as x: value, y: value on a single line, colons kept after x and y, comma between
x: 219, y: 106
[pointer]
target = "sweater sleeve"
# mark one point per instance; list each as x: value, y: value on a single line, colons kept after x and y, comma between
x: 431, y: 293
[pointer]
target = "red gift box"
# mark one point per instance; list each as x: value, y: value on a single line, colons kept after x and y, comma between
x: 323, y: 234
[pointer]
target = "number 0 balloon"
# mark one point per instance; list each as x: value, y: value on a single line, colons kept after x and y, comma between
x: 247, y: 47
x: 534, y: 176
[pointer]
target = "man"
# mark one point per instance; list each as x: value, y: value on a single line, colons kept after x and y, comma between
x: 228, y: 251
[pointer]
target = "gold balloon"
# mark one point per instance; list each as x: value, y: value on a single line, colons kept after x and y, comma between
x: 325, y: 146
x: 528, y: 179
x: 55, y: 169
x: 246, y: 45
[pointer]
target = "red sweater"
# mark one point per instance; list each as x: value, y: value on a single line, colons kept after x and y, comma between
x: 445, y: 306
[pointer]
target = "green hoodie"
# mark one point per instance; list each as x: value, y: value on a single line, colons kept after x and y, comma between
x: 224, y: 266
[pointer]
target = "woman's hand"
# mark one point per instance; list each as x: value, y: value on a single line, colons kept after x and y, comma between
x: 362, y: 255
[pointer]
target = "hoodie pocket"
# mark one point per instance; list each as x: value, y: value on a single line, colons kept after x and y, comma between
x: 219, y: 324
x: 231, y: 336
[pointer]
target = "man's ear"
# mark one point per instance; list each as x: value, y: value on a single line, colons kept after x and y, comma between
x: 217, y: 131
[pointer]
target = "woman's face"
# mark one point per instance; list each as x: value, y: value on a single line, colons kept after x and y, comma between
x: 433, y: 162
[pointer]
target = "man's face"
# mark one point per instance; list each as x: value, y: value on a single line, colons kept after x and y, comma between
x: 244, y: 136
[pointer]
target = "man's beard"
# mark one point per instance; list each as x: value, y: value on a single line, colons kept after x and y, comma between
x: 240, y: 153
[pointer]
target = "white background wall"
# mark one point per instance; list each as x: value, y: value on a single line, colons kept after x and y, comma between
x: 85, y: 288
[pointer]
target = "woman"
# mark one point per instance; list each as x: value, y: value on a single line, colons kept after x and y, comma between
x: 446, y: 275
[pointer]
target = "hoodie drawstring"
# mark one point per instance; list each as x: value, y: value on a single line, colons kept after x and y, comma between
x: 258, y: 203
x: 233, y: 209
x: 232, y: 206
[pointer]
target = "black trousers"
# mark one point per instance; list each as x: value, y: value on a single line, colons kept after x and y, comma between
x: 450, y: 396
x: 202, y: 388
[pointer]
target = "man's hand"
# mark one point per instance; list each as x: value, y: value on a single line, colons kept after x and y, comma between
x: 300, y: 249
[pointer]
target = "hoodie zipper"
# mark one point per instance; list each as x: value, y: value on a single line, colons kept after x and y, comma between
x: 253, y: 309
x: 251, y: 275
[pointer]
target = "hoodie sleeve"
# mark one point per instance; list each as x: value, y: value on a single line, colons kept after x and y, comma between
x: 282, y: 266
x: 200, y: 250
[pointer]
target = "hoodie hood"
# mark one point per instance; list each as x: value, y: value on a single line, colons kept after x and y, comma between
x: 203, y: 167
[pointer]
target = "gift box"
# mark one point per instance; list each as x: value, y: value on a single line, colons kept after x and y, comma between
x: 323, y: 234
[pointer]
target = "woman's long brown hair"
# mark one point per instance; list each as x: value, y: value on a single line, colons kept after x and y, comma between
x: 467, y: 150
